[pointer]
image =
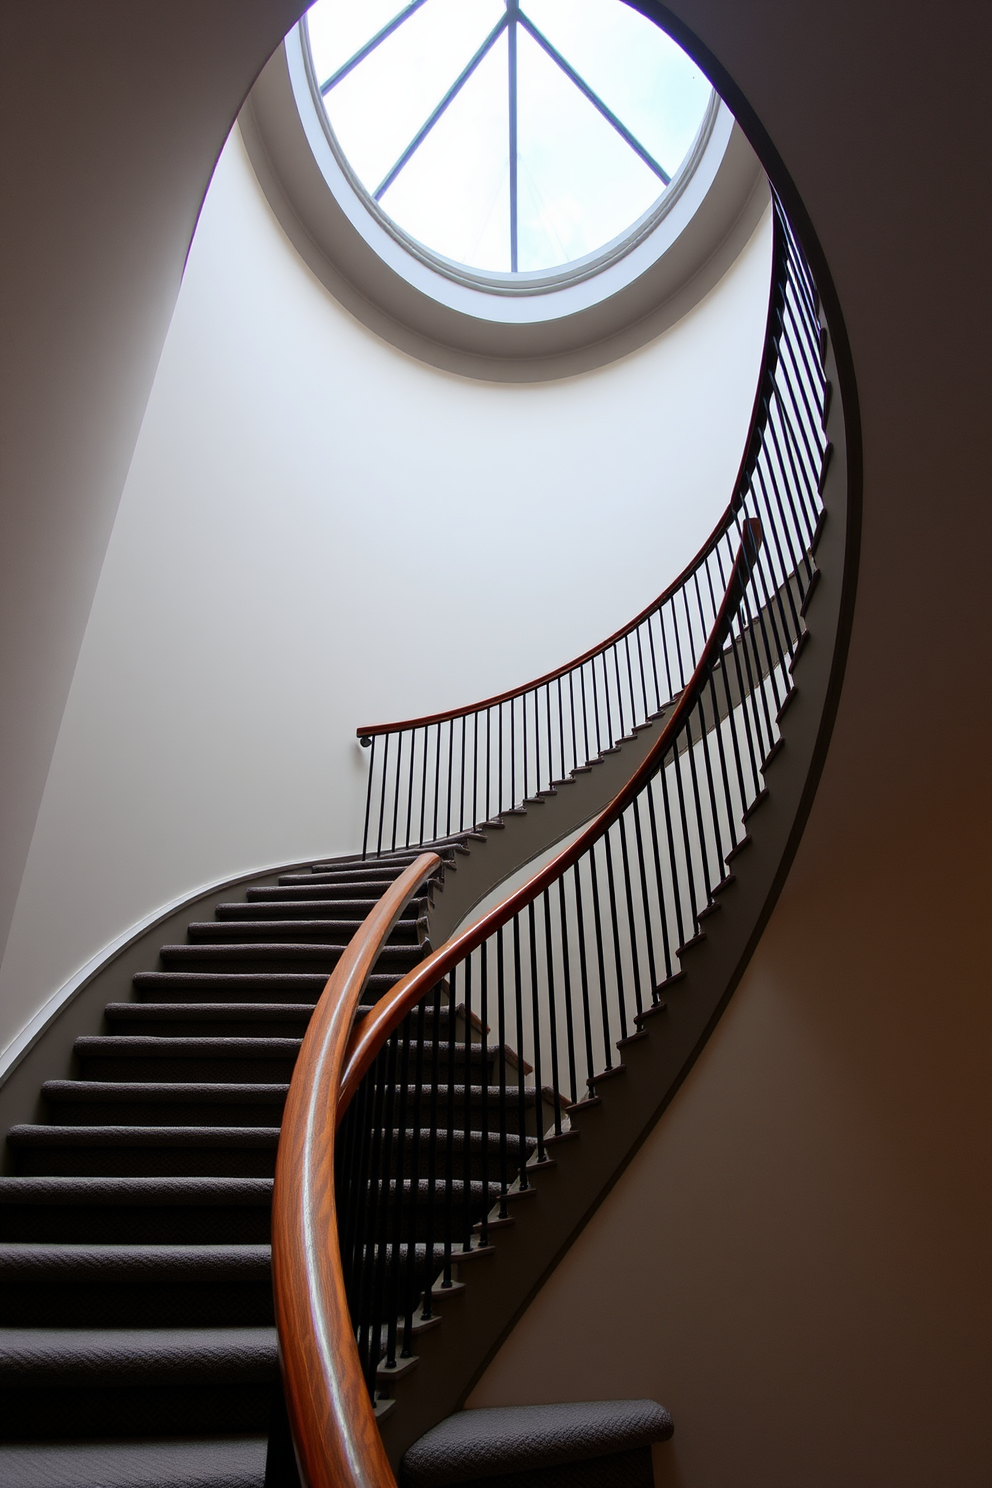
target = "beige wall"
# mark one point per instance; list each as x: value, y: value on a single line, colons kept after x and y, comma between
x: 300, y: 489
x: 810, y: 1222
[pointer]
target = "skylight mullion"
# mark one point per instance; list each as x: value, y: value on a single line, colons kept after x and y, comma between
x: 448, y: 98
x: 513, y: 11
x: 370, y: 46
x: 595, y: 100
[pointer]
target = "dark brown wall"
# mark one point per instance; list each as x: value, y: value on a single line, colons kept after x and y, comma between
x: 798, y: 1261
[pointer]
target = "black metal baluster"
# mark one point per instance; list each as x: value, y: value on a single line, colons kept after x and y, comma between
x: 645, y: 901
x: 501, y: 1033
x: 670, y: 835
x: 368, y: 799
x: 451, y: 771
x: 615, y: 933
x: 409, y: 789
x: 584, y: 978
x: 484, y: 1115
x: 518, y: 993
x: 635, y: 967
x: 396, y: 792
x: 536, y: 1015
x: 600, y: 958
x: 566, y: 974
x: 552, y: 1011
x: 382, y: 797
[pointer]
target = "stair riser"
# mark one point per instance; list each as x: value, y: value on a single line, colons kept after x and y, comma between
x: 47, y: 1305
x: 59, y: 1414
x: 127, y: 1224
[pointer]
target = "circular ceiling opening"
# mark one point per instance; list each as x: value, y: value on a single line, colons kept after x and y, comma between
x: 516, y: 144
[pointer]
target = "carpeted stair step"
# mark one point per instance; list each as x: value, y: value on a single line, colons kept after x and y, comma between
x: 135, y: 1211
x: 312, y: 896
x: 227, y: 1462
x: 336, y: 931
x: 257, y: 986
x: 146, y: 1103
x: 210, y: 1019
x: 276, y: 956
x: 595, y: 1444
x: 63, y: 1383
x: 149, y: 1151
x: 134, y: 1286
x: 140, y: 1057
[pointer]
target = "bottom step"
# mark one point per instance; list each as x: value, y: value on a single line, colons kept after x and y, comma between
x: 231, y: 1462
x: 590, y: 1444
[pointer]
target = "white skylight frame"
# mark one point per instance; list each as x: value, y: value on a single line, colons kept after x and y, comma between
x: 518, y: 283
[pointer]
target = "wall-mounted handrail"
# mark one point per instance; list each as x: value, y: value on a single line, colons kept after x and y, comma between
x: 331, y: 1413
x: 440, y: 774
x: 370, y: 1032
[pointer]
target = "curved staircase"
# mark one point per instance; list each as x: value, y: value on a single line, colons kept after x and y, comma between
x: 496, y: 1059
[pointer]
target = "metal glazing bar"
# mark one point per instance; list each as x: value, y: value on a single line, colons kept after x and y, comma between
x: 448, y: 98
x: 596, y: 101
x: 369, y: 47
x: 512, y: 11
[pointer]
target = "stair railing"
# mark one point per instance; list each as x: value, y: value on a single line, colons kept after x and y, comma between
x: 443, y: 1127
x: 434, y: 777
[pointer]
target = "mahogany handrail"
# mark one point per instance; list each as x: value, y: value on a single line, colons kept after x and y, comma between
x: 370, y: 1033
x: 331, y: 1415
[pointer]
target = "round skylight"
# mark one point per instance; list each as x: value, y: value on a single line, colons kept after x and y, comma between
x: 521, y: 140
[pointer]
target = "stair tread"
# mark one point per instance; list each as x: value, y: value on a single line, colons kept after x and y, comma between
x: 71, y: 1189
x: 28, y: 1135
x: 227, y: 1462
x: 169, y: 1090
x: 507, y: 1439
x: 127, y: 1045
x: 136, y: 1356
x: 26, y: 1260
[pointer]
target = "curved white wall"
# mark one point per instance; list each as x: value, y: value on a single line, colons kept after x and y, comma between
x: 318, y: 531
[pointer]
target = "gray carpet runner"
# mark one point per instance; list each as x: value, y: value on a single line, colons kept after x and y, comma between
x: 137, y: 1345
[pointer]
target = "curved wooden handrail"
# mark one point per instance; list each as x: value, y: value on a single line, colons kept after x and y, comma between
x: 331, y: 1415
x: 370, y: 1033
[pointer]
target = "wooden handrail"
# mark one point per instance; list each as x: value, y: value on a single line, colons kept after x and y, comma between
x: 370, y: 1033
x: 330, y: 1412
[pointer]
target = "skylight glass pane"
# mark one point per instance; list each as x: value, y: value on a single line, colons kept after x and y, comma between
x: 338, y: 28
x: 378, y: 108
x: 641, y: 74
x: 455, y: 193
x: 580, y: 183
